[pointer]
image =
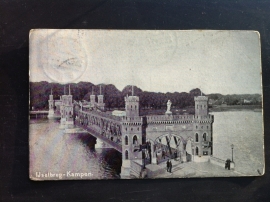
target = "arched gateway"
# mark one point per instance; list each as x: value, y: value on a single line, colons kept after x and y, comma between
x: 173, y: 146
x: 144, y: 139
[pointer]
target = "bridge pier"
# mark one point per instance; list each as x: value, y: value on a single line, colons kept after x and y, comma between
x: 125, y: 169
x: 62, y: 123
x: 51, y: 114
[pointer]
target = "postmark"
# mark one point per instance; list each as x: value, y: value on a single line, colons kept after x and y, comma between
x: 66, y: 61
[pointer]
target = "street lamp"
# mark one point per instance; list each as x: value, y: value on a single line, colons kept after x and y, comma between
x: 232, y: 151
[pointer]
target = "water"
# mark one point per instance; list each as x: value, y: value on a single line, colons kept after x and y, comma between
x: 244, y: 130
x: 53, y: 151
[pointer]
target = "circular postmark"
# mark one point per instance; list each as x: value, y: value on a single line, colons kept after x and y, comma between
x: 65, y: 59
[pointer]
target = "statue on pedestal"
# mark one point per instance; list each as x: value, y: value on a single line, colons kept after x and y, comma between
x: 169, y: 103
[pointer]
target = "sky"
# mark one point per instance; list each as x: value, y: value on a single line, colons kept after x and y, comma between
x: 226, y: 62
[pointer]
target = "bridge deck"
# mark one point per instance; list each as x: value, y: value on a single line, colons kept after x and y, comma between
x: 96, y: 134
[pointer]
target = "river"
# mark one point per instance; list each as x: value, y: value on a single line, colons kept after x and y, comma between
x: 57, y: 155
x: 53, y: 151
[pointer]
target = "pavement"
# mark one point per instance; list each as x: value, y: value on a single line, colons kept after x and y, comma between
x: 189, y: 169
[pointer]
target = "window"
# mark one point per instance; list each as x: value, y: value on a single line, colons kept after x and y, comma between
x: 131, y: 129
x: 197, y: 150
x: 196, y: 127
x: 197, y: 137
x: 126, y: 154
x: 135, y: 140
x: 204, y: 137
x: 138, y: 129
x: 126, y: 140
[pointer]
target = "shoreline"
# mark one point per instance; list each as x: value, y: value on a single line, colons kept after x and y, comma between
x: 255, y: 108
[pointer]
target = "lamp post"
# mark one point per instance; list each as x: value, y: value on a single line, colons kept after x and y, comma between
x: 232, y: 151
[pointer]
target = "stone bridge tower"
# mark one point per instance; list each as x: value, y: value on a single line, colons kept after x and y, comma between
x: 202, y: 130
x: 69, y: 111
x: 66, y: 108
x: 101, y: 104
x: 131, y: 136
x: 51, y: 106
x: 62, y: 109
x: 92, y: 99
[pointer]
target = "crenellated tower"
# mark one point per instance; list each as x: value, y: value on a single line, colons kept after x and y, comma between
x: 69, y: 110
x: 92, y: 99
x: 66, y: 109
x: 202, y: 130
x: 62, y: 109
x: 51, y: 106
x: 131, y: 136
x: 100, y: 104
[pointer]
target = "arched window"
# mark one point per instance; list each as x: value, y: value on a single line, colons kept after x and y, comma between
x: 131, y: 129
x: 126, y: 140
x: 196, y: 127
x: 135, y: 140
x: 126, y: 154
x: 197, y: 137
x: 197, y: 151
x: 138, y: 128
x: 204, y: 137
x: 135, y: 107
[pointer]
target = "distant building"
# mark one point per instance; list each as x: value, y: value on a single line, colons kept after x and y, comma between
x: 247, y: 101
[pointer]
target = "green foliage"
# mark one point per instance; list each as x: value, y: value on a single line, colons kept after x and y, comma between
x: 114, y: 98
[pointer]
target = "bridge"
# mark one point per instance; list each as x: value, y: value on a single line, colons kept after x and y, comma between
x: 101, y: 125
x: 141, y: 139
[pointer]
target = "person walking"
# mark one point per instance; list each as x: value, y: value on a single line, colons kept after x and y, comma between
x: 175, y: 155
x: 168, y: 165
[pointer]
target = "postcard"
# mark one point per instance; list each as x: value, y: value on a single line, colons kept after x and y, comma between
x: 145, y: 104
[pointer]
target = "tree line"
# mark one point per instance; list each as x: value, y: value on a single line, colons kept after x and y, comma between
x: 114, y: 98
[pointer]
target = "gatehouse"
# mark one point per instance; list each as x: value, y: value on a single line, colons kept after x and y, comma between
x: 142, y: 140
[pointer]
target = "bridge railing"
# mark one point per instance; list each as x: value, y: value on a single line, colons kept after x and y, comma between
x: 102, y: 115
x: 169, y: 118
x: 217, y: 161
x: 97, y: 133
x: 137, y: 118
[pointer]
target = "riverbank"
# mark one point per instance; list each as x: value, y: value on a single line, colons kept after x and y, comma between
x: 222, y: 108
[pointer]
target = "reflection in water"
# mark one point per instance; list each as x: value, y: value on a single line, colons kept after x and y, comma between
x: 51, y: 150
x: 109, y: 159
